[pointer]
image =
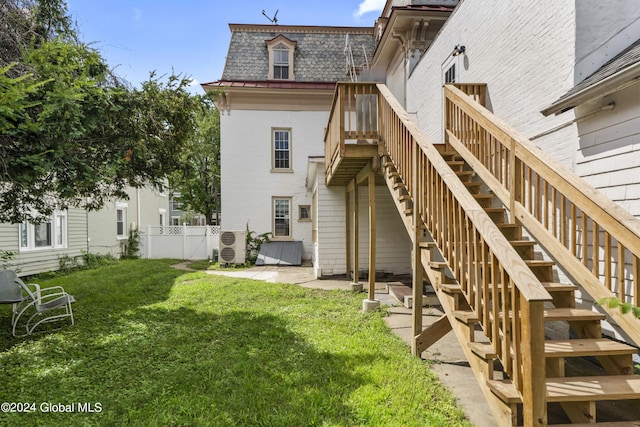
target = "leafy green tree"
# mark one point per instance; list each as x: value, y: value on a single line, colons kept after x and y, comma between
x: 73, y: 133
x: 198, y: 178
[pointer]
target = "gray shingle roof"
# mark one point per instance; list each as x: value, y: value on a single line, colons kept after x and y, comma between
x: 624, y: 59
x: 618, y: 65
x: 319, y: 54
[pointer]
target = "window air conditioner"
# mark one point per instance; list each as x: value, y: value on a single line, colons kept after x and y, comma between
x: 232, y: 247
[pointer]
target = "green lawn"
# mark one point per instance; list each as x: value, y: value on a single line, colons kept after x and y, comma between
x: 154, y: 346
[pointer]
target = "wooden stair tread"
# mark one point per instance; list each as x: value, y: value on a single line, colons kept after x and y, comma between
x: 586, y: 347
x: 571, y: 314
x: 539, y: 262
x: 438, y: 265
x: 427, y: 245
x: 576, y: 389
x: 567, y: 314
x: 523, y: 242
x: 451, y: 288
x: 399, y: 290
x: 549, y: 286
x: 564, y: 314
x: 484, y: 350
x: 559, y: 287
x: 465, y: 316
x: 506, y: 224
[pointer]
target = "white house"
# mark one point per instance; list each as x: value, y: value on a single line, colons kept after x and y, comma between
x: 277, y: 90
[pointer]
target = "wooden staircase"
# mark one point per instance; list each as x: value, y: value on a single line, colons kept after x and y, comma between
x: 577, y: 395
x: 498, y: 229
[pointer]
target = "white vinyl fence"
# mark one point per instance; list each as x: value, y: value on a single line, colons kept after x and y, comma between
x: 179, y: 241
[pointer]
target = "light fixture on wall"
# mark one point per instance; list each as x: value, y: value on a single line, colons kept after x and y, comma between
x: 458, y: 50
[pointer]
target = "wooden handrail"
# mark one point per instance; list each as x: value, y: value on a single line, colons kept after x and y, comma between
x: 353, y: 117
x: 584, y: 231
x: 504, y: 294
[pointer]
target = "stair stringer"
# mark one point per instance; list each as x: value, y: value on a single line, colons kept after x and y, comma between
x: 503, y: 413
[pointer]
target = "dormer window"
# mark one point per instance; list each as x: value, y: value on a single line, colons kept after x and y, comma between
x: 281, y: 62
x: 281, y: 51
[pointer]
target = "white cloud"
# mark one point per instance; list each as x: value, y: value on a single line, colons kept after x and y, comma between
x: 367, y: 6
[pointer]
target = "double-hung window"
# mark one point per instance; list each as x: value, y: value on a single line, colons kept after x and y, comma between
x: 281, y: 217
x: 281, y: 142
x: 121, y: 220
x: 281, y: 62
x: 50, y: 233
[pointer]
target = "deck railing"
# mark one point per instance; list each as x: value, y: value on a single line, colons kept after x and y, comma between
x: 593, y: 239
x: 504, y: 294
x: 353, y: 118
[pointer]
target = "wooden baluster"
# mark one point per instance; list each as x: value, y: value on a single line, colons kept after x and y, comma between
x: 595, y: 268
x: 636, y: 281
x: 554, y: 211
x: 607, y: 260
x: 585, y: 239
x: 574, y: 226
x: 621, y: 278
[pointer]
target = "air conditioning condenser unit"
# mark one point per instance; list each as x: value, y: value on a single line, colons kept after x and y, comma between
x: 232, y: 247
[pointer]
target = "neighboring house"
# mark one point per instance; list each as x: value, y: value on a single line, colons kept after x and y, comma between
x: 277, y: 91
x: 178, y: 216
x: 110, y: 226
x: 70, y: 233
x: 38, y: 247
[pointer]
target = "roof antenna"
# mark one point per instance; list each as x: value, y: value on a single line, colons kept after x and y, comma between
x: 273, y: 20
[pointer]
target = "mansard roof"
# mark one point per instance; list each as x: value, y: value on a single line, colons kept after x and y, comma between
x: 319, y: 52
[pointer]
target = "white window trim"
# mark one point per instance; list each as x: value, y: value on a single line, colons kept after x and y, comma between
x: 31, y: 231
x: 120, y: 206
x: 290, y: 45
x: 273, y: 218
x: 273, y: 150
x: 308, y: 218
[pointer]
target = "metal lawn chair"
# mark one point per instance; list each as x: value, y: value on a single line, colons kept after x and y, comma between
x: 41, y: 305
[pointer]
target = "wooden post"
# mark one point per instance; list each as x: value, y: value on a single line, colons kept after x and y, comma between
x: 416, y: 260
x: 347, y: 226
x: 515, y: 182
x: 356, y: 234
x: 372, y: 235
x: 534, y: 408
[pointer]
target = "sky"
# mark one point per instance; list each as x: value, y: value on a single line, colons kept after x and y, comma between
x: 191, y: 37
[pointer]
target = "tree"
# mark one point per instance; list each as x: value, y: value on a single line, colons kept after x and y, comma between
x: 198, y: 178
x: 72, y: 132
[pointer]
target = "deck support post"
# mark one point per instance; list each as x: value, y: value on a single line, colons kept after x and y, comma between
x: 371, y: 303
x: 416, y: 259
x: 356, y: 237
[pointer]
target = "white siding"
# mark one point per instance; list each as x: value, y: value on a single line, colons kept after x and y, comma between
x: 609, y: 149
x: 36, y: 261
x: 144, y: 204
x: 393, y: 247
x: 248, y: 184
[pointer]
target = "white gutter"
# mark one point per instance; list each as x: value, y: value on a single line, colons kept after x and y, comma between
x: 618, y: 81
